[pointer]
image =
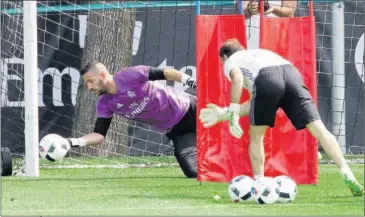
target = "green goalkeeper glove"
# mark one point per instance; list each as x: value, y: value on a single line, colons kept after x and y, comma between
x: 212, y: 115
x: 234, y: 120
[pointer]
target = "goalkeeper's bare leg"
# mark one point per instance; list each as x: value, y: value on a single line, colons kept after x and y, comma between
x: 332, y: 148
x: 257, y: 152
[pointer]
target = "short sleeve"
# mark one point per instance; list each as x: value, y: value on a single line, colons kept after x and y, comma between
x: 102, y: 108
x: 228, y: 66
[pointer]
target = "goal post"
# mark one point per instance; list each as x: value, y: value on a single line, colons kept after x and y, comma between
x: 22, y: 40
x: 339, y: 78
x: 31, y: 130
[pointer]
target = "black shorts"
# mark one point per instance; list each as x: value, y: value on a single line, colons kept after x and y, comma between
x: 281, y: 87
x: 187, y: 124
x: 183, y: 137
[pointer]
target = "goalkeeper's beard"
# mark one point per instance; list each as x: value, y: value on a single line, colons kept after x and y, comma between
x: 100, y: 92
x: 103, y: 89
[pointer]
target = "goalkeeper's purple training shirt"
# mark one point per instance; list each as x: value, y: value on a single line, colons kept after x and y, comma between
x: 142, y: 100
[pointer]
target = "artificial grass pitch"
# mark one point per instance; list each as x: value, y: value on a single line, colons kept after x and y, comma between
x: 162, y: 191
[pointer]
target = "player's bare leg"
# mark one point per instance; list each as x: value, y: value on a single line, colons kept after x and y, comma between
x: 332, y: 148
x: 257, y: 152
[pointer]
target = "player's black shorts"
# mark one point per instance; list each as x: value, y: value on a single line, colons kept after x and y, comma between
x: 187, y: 124
x: 281, y: 87
x: 183, y: 136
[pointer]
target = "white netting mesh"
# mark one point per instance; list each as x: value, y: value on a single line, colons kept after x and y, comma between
x: 341, y: 74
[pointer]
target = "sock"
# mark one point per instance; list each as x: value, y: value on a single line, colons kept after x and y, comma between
x: 258, y: 176
x: 345, y: 170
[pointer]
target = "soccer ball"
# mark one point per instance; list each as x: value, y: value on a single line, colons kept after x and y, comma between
x: 287, y: 187
x: 53, y: 147
x: 239, y: 189
x: 265, y: 190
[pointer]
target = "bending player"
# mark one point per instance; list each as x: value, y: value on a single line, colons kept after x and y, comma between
x: 131, y: 94
x: 273, y: 82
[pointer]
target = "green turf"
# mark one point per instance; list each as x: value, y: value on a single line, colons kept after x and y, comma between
x: 161, y: 191
x: 87, y: 160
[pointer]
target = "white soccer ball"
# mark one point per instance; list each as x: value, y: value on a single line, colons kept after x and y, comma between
x: 287, y: 189
x: 265, y: 190
x: 239, y: 189
x: 53, y: 147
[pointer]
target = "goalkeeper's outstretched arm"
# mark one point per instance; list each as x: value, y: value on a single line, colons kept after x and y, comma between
x: 171, y: 75
x: 96, y: 137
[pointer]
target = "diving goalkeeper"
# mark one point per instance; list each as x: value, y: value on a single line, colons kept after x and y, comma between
x: 273, y: 83
x: 132, y: 94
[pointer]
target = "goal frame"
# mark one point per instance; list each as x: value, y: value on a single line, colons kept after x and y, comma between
x: 31, y: 131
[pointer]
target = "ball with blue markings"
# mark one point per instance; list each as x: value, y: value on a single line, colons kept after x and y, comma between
x: 265, y: 190
x: 288, y: 189
x: 53, y: 147
x: 239, y: 189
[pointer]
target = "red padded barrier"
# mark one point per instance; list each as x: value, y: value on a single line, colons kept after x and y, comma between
x: 220, y: 156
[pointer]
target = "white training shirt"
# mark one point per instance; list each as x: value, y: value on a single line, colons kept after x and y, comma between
x: 250, y: 62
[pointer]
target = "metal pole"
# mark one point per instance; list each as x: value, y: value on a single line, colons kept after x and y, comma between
x: 339, y: 80
x: 1, y: 80
x: 197, y: 7
x: 31, y: 130
x: 262, y: 11
x: 240, y: 3
x: 311, y: 9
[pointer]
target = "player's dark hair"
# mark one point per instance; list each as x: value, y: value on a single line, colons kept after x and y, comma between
x: 87, y: 66
x: 230, y: 47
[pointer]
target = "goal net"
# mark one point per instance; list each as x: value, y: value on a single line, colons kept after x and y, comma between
x: 340, y: 71
x: 156, y: 33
